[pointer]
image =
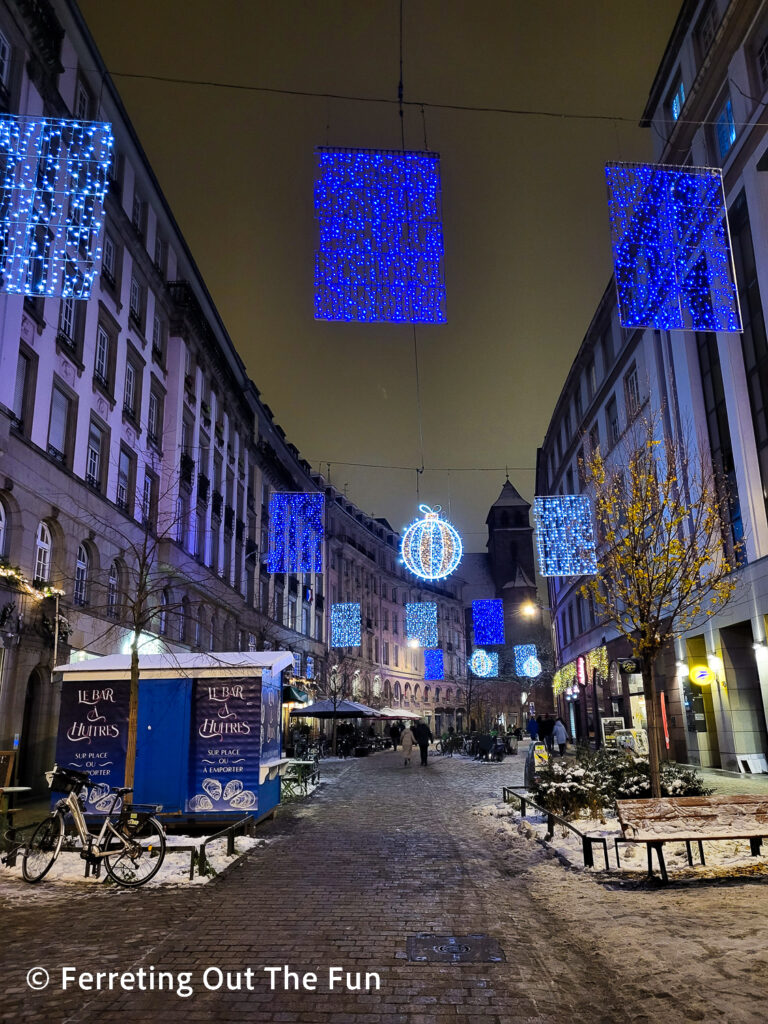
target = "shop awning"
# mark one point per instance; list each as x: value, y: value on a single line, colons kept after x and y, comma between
x: 291, y: 694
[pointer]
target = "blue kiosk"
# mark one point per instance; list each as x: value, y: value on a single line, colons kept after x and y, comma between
x: 208, y: 742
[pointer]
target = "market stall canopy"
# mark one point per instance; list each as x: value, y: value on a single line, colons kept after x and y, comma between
x: 398, y: 713
x: 343, y: 709
x: 292, y: 693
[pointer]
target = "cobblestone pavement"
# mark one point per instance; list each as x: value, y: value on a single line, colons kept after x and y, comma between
x: 377, y: 854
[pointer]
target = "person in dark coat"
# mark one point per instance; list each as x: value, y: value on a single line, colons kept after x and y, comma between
x: 533, y: 729
x: 423, y: 735
x: 394, y: 734
x: 545, y: 731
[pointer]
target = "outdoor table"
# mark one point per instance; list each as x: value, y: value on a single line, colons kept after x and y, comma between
x: 4, y: 812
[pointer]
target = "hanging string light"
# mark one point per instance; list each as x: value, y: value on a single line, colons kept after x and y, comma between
x: 295, y: 532
x: 671, y: 254
x: 565, y: 539
x: 53, y: 180
x: 421, y: 624
x: 488, y: 621
x: 346, y: 625
x: 484, y: 664
x: 434, y: 667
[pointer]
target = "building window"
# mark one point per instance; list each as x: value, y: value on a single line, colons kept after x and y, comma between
x: 43, y: 548
x: 385, y: 652
x: 67, y: 318
x: 594, y: 437
x: 125, y: 477
x: 577, y: 405
x: 60, y: 425
x: 612, y: 421
x: 5, y: 62
x: 129, y: 396
x: 591, y: 379
x: 162, y: 617
x: 93, y: 460
x: 183, y: 615
x: 138, y: 214
x: 632, y: 392
x: 159, y: 331
x: 725, y: 129
x: 109, y: 259
x: 101, y: 361
x: 706, y: 29
x: 3, y: 531
x: 154, y: 418
x: 82, y: 102
x: 607, y: 347
x: 762, y: 62
x: 136, y: 304
x: 81, y: 577
x: 161, y: 254
x: 677, y: 99
x: 719, y: 432
x: 113, y: 591
x: 23, y: 393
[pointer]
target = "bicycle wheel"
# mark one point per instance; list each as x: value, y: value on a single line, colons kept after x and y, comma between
x: 43, y: 848
x: 135, y: 857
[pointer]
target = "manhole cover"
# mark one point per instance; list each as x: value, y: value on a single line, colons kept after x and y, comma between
x: 456, y: 949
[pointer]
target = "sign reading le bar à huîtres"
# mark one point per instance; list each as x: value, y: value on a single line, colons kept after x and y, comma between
x: 93, y: 737
x: 224, y: 752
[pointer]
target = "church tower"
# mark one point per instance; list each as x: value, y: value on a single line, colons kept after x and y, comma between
x: 510, y: 547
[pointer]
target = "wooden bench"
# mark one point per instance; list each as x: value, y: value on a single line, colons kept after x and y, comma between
x: 692, y: 819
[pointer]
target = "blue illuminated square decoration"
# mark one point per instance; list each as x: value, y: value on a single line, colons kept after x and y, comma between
x: 295, y: 532
x: 433, y: 664
x: 54, y: 178
x: 346, y: 625
x: 380, y: 254
x: 488, y: 621
x: 671, y: 253
x: 565, y: 538
x: 421, y: 623
x: 522, y: 653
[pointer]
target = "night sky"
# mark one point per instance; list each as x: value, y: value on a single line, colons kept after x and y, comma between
x: 524, y: 211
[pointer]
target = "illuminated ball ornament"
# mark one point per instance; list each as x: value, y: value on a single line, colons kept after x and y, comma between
x: 531, y: 667
x: 484, y: 664
x: 431, y: 547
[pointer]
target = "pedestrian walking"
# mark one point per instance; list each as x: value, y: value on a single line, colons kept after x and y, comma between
x: 423, y: 735
x: 407, y: 741
x: 533, y: 729
x: 394, y: 734
x: 546, y: 725
x: 560, y: 736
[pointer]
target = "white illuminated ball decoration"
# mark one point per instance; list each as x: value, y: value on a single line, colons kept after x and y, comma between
x: 431, y: 547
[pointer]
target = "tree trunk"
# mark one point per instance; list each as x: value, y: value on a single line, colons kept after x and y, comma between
x: 651, y: 710
x: 133, y: 715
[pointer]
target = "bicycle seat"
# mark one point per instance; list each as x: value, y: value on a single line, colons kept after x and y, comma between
x: 122, y: 790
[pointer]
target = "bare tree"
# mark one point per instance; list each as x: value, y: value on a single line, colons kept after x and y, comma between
x: 663, y: 564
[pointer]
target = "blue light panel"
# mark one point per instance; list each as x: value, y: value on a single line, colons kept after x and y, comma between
x: 484, y: 664
x: 671, y: 252
x: 346, y: 625
x: 522, y: 653
x: 310, y: 667
x: 54, y: 177
x: 488, y: 621
x: 421, y: 623
x: 565, y: 539
x: 434, y: 667
x: 295, y: 532
x: 380, y: 255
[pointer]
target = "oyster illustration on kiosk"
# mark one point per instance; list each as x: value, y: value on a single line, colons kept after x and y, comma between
x: 244, y: 800
x: 200, y: 802
x: 213, y: 788
x: 232, y: 788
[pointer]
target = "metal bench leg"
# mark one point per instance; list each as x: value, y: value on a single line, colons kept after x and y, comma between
x: 754, y: 845
x: 701, y: 851
x: 659, y: 847
x: 689, y: 852
x: 618, y: 858
x: 586, y: 849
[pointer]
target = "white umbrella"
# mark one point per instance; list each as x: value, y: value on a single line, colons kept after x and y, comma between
x: 398, y: 713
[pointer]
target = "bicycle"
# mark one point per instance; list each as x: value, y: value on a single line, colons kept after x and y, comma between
x: 132, y: 846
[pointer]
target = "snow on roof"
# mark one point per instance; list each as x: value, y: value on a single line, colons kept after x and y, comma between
x: 168, y: 665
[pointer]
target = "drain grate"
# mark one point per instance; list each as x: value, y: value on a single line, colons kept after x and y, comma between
x: 453, y: 949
